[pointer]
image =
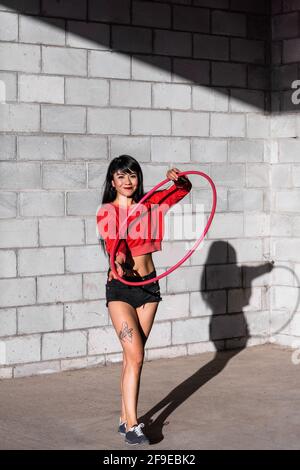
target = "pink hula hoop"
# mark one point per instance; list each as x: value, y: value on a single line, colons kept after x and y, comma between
x: 189, y: 253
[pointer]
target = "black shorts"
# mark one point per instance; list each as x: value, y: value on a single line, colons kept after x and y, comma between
x: 134, y: 295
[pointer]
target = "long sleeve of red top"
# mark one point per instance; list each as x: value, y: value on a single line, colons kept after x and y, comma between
x: 173, y: 194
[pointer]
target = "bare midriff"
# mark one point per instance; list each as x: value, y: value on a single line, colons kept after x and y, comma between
x: 138, y: 265
x: 143, y: 264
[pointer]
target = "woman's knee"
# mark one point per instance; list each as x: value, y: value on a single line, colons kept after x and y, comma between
x: 135, y: 359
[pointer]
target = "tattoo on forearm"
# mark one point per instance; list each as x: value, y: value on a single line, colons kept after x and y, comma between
x: 126, y: 333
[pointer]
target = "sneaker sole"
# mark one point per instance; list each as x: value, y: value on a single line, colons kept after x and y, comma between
x: 136, y: 443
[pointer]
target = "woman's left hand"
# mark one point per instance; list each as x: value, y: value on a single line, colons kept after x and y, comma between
x: 172, y: 174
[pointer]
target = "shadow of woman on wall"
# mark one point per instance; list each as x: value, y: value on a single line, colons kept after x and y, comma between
x: 228, y: 331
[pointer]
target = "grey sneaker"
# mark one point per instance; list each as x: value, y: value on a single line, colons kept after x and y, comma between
x: 135, y: 435
x: 122, y: 428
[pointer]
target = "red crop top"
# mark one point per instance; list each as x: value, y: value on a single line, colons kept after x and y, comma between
x: 145, y: 228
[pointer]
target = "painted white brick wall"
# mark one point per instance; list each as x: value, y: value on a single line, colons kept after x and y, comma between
x: 172, y: 84
x: 64, y: 345
x: 40, y: 147
x: 19, y: 117
x: 16, y: 350
x: 40, y: 319
x: 284, y: 183
x: 15, y: 57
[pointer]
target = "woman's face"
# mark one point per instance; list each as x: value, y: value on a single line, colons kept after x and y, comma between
x: 125, y: 183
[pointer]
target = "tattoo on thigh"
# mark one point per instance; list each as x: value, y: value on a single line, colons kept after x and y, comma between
x: 126, y: 333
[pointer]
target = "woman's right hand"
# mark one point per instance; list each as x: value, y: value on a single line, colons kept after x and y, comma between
x: 120, y: 271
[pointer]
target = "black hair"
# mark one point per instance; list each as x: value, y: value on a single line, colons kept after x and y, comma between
x: 126, y: 164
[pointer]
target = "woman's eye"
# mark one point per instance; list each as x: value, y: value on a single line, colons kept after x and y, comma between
x: 121, y: 177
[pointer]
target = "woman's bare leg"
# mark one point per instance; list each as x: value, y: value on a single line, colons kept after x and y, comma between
x: 123, y: 411
x: 125, y: 321
x: 146, y: 314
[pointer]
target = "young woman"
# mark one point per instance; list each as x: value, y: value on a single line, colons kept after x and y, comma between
x: 132, y: 308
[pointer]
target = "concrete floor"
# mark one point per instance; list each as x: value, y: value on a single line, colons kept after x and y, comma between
x: 241, y: 399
